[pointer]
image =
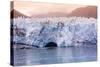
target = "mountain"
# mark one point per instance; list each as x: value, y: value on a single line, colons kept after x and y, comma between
x: 14, y: 14
x: 89, y: 11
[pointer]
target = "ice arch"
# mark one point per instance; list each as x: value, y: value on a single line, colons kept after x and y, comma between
x: 51, y: 44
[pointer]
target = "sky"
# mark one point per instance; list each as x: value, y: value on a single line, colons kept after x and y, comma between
x: 33, y: 8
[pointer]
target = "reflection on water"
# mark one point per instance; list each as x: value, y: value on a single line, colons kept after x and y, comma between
x: 37, y: 56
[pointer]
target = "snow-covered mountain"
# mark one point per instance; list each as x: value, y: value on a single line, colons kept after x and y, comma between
x: 65, y: 31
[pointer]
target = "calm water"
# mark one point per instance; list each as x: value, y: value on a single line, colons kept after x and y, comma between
x: 36, y: 56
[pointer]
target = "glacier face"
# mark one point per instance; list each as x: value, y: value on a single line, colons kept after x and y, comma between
x: 65, y: 31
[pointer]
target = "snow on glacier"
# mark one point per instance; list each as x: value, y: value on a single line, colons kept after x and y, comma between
x: 65, y: 31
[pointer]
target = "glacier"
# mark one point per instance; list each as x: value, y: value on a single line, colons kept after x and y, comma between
x: 65, y: 31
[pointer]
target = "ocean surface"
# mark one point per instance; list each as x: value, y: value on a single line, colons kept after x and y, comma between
x: 39, y: 56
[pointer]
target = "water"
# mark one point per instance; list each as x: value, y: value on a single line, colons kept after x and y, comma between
x: 37, y: 56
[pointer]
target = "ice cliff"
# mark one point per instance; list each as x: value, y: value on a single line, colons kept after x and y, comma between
x: 65, y: 31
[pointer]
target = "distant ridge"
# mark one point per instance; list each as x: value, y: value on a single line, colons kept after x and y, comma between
x: 89, y: 11
x: 14, y: 14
